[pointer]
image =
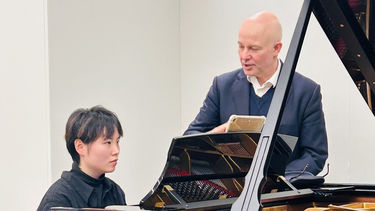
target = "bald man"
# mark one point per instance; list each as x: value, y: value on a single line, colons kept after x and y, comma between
x: 249, y: 91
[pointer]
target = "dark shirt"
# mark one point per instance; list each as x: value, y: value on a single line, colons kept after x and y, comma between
x: 79, y: 190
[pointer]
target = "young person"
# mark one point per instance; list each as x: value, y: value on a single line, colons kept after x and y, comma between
x: 92, y: 138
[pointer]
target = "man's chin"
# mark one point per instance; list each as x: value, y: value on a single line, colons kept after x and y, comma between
x: 248, y: 72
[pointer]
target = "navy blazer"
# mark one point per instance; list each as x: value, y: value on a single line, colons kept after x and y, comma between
x: 303, y: 116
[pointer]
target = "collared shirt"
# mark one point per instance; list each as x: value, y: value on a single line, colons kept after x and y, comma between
x: 271, y: 82
x: 79, y: 190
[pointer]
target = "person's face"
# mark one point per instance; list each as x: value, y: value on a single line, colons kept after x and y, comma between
x: 256, y: 52
x: 101, y: 155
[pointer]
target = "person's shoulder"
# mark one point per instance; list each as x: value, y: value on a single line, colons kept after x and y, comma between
x: 238, y: 73
x: 56, y: 194
x: 227, y: 79
x: 61, y: 184
x: 300, y: 79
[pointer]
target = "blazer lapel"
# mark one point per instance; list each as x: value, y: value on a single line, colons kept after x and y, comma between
x: 241, y: 94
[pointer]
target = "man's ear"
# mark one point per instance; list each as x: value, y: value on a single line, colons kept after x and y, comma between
x: 80, y: 147
x: 277, y: 48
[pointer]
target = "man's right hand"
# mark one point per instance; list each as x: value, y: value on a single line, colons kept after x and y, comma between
x: 220, y: 128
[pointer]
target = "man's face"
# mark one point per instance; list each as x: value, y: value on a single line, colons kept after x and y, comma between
x: 256, y: 52
x: 102, y: 154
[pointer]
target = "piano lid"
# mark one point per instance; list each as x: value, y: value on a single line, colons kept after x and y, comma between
x: 208, y: 170
x: 350, y: 27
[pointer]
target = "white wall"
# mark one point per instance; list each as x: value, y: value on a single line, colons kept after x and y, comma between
x: 24, y: 110
x: 123, y: 55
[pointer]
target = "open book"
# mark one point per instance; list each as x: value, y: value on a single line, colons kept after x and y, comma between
x: 245, y: 123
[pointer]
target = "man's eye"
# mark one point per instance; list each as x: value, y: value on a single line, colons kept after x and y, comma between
x: 107, y: 142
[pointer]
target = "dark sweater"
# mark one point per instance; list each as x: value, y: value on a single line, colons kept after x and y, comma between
x: 259, y: 106
x: 77, y: 189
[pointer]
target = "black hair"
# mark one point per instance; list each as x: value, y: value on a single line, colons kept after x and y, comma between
x: 88, y: 125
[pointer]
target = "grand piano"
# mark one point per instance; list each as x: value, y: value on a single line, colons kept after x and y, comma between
x: 244, y: 170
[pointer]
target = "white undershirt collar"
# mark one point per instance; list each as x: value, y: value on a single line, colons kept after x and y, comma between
x: 271, y: 82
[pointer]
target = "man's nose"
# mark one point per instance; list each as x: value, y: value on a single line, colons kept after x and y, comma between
x: 246, y: 54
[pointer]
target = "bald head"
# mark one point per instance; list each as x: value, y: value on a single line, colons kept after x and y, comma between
x: 265, y: 24
x: 259, y: 43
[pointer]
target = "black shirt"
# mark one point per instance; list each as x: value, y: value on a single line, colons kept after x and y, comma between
x: 79, y: 190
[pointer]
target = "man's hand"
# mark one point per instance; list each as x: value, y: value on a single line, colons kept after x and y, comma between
x: 219, y: 129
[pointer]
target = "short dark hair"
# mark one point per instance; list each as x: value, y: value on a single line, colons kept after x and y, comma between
x: 88, y: 125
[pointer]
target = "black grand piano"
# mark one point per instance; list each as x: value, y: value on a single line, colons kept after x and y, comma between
x: 244, y: 170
